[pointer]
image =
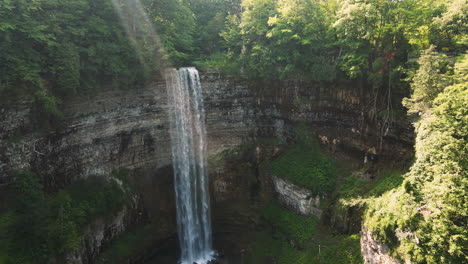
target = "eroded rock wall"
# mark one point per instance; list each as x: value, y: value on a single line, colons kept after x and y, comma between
x: 117, y: 129
x: 342, y: 114
x: 130, y: 128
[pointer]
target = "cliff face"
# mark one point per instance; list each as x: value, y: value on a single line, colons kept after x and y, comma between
x: 342, y: 114
x: 374, y: 251
x: 117, y: 129
x: 129, y: 128
x: 114, y: 129
x: 102, y: 231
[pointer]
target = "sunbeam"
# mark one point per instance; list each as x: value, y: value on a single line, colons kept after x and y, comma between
x: 142, y: 35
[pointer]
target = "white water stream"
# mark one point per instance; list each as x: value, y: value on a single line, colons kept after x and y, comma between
x: 188, y: 136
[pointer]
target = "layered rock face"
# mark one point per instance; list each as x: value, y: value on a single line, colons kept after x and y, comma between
x: 117, y: 129
x: 114, y: 129
x: 342, y: 114
x: 129, y: 128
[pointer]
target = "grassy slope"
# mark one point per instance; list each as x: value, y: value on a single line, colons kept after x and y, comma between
x: 289, y: 238
x: 127, y: 245
x: 303, y: 164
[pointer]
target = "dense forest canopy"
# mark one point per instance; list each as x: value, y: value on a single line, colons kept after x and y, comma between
x: 52, y: 50
x: 62, y: 48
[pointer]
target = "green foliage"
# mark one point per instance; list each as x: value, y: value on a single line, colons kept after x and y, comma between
x: 218, y: 62
x: 6, y: 221
x: 289, y: 39
x: 28, y: 232
x: 430, y: 208
x: 281, y: 243
x: 210, y: 22
x: 388, y: 181
x: 334, y: 249
x: 301, y: 40
x: 93, y: 197
x: 175, y: 24
x: 342, y: 249
x: 65, y: 53
x: 450, y: 29
x: 375, y: 34
x: 430, y: 79
x: 88, y: 44
x: 353, y: 187
x: 357, y: 187
x: 41, y: 226
x: 127, y: 245
x: 269, y: 247
x: 298, y: 228
x: 303, y: 164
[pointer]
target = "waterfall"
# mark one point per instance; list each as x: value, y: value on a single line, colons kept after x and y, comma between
x: 188, y: 136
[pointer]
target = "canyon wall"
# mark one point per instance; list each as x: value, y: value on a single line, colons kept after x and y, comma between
x: 117, y: 128
x: 129, y: 129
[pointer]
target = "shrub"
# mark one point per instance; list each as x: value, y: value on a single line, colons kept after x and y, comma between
x: 298, y: 228
x: 40, y: 226
x: 303, y: 164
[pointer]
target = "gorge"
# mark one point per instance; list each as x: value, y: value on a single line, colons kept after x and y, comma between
x: 233, y: 132
x: 134, y: 133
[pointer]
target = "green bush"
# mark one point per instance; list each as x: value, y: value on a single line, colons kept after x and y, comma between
x: 344, y: 249
x: 127, y: 245
x: 353, y: 187
x: 298, y: 228
x: 273, y: 247
x: 387, y: 181
x: 303, y: 164
x: 356, y: 187
x: 40, y: 226
x: 269, y: 247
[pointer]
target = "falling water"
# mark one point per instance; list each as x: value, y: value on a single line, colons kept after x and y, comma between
x: 188, y: 135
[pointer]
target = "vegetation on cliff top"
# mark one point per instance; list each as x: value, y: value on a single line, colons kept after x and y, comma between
x: 321, y: 40
x: 54, y: 50
x: 58, y: 49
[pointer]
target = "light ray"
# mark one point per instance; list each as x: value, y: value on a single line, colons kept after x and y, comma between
x: 142, y: 35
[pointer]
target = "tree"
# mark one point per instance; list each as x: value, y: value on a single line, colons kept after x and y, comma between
x: 430, y: 80
x: 425, y: 219
x: 57, y: 49
x: 301, y: 40
x: 175, y: 24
